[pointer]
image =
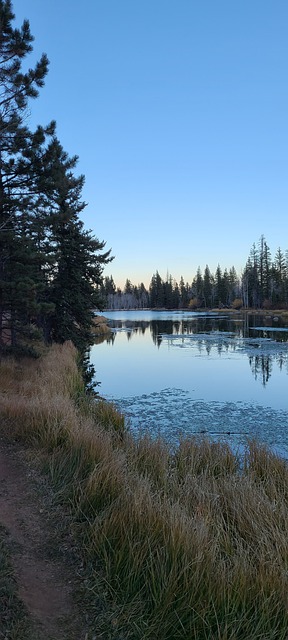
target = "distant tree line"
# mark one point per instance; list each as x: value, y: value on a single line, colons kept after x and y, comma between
x: 50, y: 267
x: 262, y: 284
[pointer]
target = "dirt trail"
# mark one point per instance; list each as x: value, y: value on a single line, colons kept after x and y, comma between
x: 44, y: 584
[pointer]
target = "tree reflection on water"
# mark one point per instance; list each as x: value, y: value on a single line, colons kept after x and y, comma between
x: 214, y: 333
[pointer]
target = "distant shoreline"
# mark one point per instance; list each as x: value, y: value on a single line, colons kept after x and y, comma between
x: 281, y: 313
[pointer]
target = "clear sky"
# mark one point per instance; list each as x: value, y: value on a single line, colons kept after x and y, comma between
x: 178, y: 110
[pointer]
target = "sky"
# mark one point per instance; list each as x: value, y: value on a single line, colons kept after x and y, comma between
x: 177, y: 110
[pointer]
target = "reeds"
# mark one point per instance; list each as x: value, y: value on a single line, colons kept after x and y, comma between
x: 190, y: 544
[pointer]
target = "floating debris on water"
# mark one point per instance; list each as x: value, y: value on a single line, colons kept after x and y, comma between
x: 173, y: 413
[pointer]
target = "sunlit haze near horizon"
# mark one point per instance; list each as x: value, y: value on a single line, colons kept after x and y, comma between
x: 178, y: 113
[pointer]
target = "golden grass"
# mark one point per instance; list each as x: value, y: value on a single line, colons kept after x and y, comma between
x: 190, y: 544
x: 100, y: 326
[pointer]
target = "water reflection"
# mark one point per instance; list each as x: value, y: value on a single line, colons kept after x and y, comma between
x: 261, y: 367
x: 261, y: 338
x: 244, y: 327
x: 182, y: 373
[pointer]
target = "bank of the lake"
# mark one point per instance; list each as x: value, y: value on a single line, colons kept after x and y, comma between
x: 184, y: 545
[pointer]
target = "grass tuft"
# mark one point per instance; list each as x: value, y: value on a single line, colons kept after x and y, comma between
x: 186, y: 545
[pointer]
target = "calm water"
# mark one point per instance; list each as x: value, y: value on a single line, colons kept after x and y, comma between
x: 181, y: 372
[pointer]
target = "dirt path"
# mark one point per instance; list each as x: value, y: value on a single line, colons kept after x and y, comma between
x: 45, y: 584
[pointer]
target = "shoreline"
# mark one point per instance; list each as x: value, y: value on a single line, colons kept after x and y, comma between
x: 160, y: 536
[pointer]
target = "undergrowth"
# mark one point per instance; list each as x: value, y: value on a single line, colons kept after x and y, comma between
x: 189, y: 544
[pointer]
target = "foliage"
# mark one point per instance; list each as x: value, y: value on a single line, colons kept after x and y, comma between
x: 237, y: 303
x: 50, y: 267
x: 19, y: 262
x: 263, y: 284
x: 194, y: 303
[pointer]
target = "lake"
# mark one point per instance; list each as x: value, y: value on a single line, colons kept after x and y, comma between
x: 173, y: 373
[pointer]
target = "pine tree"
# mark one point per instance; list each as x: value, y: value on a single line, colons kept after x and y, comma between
x: 143, y: 296
x: 18, y: 260
x: 168, y: 301
x: 278, y: 280
x: 75, y: 257
x: 198, y: 287
x: 252, y: 277
x: 50, y: 267
x: 156, y: 291
x: 264, y: 270
x: 183, y: 293
x: 207, y: 287
x: 219, y: 287
x: 234, y: 289
x: 128, y: 287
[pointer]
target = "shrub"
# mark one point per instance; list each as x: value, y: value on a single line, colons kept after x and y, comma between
x: 194, y: 303
x: 237, y: 303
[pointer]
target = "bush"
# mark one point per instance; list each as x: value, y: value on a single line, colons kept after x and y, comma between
x: 237, y: 303
x: 194, y: 303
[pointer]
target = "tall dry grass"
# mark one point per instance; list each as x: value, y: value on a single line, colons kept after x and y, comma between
x: 190, y: 544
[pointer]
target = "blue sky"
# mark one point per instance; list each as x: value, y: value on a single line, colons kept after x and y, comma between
x: 177, y: 110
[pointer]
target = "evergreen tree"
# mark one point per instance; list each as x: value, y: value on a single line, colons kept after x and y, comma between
x: 183, y: 289
x: 252, y: 275
x: 175, y: 295
x: 279, y: 279
x: 50, y: 267
x: 168, y: 301
x: 233, y: 286
x: 207, y: 287
x: 108, y: 287
x: 128, y: 286
x: 19, y: 263
x: 257, y: 276
x: 264, y: 270
x: 220, y: 287
x: 246, y: 283
x: 76, y: 257
x: 143, y: 296
x: 225, y: 288
x: 156, y: 291
x: 197, y: 287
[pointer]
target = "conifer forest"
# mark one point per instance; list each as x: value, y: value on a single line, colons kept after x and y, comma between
x: 263, y: 284
x: 50, y: 266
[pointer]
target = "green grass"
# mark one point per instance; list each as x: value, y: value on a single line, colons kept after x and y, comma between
x: 184, y: 545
